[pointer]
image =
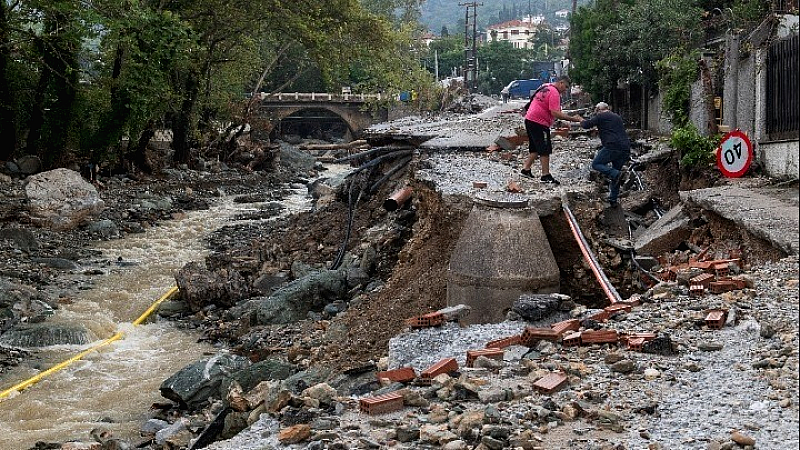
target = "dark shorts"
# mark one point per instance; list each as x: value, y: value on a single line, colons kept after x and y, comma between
x: 538, y: 138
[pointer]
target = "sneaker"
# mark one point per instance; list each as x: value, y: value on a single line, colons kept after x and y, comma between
x: 526, y: 173
x: 549, y: 179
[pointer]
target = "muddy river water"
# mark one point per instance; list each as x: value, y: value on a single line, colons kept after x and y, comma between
x: 113, y: 387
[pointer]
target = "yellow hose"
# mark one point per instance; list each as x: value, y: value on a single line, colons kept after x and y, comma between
x: 119, y: 335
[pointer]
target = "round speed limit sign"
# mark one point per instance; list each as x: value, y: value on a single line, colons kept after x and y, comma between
x: 735, y: 154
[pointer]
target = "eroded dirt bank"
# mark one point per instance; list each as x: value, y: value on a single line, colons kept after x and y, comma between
x: 610, y: 400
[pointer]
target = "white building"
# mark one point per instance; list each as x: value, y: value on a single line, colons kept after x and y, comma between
x: 562, y: 13
x: 517, y: 32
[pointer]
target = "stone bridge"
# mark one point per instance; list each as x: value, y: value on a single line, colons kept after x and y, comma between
x: 351, y: 108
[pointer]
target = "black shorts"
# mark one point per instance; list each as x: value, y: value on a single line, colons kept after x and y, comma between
x: 538, y: 138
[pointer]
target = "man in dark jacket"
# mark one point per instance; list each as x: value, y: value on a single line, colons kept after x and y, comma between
x: 616, y: 146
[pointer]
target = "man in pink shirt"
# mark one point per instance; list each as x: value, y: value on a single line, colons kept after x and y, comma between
x: 545, y: 107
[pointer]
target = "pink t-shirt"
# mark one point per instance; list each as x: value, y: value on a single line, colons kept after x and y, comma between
x: 545, y: 100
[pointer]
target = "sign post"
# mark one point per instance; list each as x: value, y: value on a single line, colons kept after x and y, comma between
x: 734, y: 154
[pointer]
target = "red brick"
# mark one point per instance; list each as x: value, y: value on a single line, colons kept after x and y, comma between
x: 600, y: 316
x: 704, y: 279
x: 427, y: 320
x: 492, y: 353
x: 704, y: 265
x: 720, y: 269
x: 670, y: 275
x: 381, y: 404
x: 635, y: 343
x: 504, y: 342
x: 636, y: 340
x: 531, y: 335
x: 716, y: 318
x: 550, y: 383
x: 617, y: 307
x: 446, y: 365
x: 718, y: 287
x: 402, y: 375
x: 599, y: 337
x: 571, y: 339
x: 566, y: 325
x: 696, y: 290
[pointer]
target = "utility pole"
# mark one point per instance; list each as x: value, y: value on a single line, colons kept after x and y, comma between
x: 471, y: 49
x: 436, y: 63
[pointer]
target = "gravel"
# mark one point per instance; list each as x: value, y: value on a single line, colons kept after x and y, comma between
x: 742, y: 378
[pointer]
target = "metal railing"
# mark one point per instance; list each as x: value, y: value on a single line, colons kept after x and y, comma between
x: 317, y: 97
x: 783, y: 119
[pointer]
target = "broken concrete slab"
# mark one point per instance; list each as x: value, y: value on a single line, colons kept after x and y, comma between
x: 767, y: 213
x: 665, y: 234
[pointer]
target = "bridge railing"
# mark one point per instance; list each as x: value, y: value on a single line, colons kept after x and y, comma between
x: 317, y: 97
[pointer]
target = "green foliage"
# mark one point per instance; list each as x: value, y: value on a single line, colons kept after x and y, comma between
x: 504, y: 63
x: 617, y: 41
x: 747, y: 12
x: 677, y: 73
x: 697, y: 151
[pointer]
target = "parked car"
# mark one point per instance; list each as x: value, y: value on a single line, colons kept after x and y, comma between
x: 520, y: 88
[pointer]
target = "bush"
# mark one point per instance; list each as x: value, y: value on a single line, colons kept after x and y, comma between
x: 697, y: 151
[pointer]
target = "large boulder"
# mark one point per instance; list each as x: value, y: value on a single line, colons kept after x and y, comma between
x: 195, y: 384
x: 61, y: 199
x: 293, y: 302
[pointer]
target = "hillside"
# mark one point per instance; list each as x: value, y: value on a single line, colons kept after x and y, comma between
x: 448, y: 13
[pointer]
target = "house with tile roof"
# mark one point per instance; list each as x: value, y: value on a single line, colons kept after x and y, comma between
x: 517, y: 32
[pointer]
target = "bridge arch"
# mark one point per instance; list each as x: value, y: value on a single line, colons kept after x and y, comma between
x: 276, y: 108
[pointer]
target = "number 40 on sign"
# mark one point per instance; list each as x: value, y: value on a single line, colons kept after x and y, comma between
x: 735, y: 154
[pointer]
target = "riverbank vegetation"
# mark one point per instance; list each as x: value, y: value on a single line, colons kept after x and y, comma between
x: 91, y: 82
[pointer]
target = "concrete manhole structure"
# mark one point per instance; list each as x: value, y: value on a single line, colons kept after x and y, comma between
x: 501, y: 253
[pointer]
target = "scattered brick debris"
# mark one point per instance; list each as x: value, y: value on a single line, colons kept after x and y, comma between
x: 696, y: 290
x: 446, y: 365
x: 599, y: 337
x: 671, y: 274
x: 401, y: 375
x: 617, y: 308
x: 715, y: 319
x: 566, y: 325
x: 532, y: 335
x: 513, y: 186
x: 492, y: 353
x: 381, y: 404
x: 636, y: 340
x: 550, y: 383
x: 725, y: 285
x: 600, y: 316
x: 720, y: 269
x: 504, y: 342
x: 710, y: 265
x: 427, y: 320
x: 572, y: 339
x: 704, y: 279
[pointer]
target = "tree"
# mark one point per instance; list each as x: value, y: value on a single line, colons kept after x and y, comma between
x: 501, y: 63
x: 617, y: 41
x: 8, y: 107
x: 55, y: 50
